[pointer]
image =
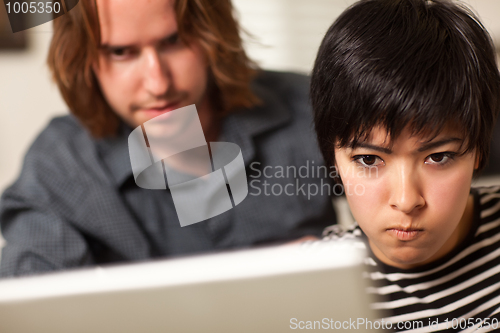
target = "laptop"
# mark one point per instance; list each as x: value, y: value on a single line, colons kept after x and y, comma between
x: 314, y: 285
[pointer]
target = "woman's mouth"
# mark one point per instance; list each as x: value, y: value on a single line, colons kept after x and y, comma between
x: 405, y: 235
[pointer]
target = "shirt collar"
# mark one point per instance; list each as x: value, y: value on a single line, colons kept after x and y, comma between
x: 239, y: 127
x: 115, y: 155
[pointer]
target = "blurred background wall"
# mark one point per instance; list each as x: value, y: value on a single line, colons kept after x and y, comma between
x: 286, y: 35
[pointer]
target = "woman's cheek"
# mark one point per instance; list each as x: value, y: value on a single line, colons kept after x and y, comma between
x: 364, y: 196
x: 447, y: 194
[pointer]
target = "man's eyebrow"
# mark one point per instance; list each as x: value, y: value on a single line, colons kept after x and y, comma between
x: 435, y: 144
x: 108, y: 47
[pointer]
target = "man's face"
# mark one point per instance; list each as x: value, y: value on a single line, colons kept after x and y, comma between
x: 144, y: 69
x: 411, y: 196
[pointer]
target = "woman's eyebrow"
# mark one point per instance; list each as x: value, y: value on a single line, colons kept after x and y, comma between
x: 384, y: 150
x: 425, y: 147
x: 436, y: 144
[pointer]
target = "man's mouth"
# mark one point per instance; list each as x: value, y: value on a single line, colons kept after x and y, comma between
x: 156, y: 110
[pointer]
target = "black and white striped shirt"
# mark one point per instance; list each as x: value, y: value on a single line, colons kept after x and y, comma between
x: 460, y: 292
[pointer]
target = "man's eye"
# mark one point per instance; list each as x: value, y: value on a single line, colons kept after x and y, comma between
x: 440, y: 158
x: 120, y: 53
x: 368, y: 160
x: 174, y: 39
x: 170, y: 41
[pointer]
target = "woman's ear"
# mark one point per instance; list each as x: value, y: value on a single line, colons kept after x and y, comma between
x: 476, y: 164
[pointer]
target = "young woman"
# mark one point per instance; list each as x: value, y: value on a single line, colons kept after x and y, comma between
x: 405, y: 96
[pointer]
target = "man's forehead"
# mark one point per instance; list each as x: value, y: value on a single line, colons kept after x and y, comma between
x: 130, y: 22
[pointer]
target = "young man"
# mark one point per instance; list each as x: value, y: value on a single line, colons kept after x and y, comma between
x: 118, y: 64
x: 405, y: 94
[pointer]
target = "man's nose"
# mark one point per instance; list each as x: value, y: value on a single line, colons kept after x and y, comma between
x: 156, y: 73
x: 406, y: 194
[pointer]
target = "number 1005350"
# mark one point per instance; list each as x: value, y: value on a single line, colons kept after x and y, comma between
x: 33, y: 7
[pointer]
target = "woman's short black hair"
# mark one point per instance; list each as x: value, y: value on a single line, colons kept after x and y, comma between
x: 394, y: 63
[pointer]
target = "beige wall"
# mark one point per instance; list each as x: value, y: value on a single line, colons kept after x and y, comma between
x: 289, y: 31
x: 28, y: 100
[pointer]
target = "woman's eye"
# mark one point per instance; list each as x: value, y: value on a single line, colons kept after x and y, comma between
x: 439, y: 158
x: 368, y: 160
